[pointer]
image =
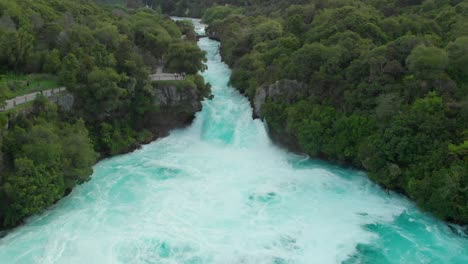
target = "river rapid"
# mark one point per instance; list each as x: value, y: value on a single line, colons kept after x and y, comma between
x: 219, y: 191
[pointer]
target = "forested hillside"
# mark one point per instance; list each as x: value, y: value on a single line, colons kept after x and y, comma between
x: 103, y: 56
x: 196, y: 8
x: 381, y: 85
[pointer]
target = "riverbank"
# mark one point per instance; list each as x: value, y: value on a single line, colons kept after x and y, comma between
x: 103, y: 56
x: 355, y: 98
x: 177, y: 108
x: 220, y: 192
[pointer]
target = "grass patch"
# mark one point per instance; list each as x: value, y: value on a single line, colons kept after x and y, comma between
x: 21, y: 84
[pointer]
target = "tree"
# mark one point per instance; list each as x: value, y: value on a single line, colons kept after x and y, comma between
x: 108, y: 35
x: 41, y: 145
x: 102, y: 93
x: 30, y: 190
x: 267, y: 30
x: 217, y: 13
x: 388, y: 106
x: 295, y: 24
x: 79, y: 157
x: 69, y: 72
x: 104, y: 61
x: 427, y: 62
x: 185, y: 57
x: 23, y: 48
x: 458, y: 56
x: 52, y: 63
x: 347, y: 133
x: 16, y: 48
x: 308, y: 60
x: 311, y: 124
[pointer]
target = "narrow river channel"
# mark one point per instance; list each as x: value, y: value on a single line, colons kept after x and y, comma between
x: 220, y: 192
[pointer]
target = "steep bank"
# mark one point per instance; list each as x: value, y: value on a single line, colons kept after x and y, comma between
x: 281, y: 92
x: 379, y: 91
x: 103, y: 56
x: 176, y: 106
x: 220, y: 192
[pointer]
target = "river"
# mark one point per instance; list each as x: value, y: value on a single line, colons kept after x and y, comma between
x: 220, y: 192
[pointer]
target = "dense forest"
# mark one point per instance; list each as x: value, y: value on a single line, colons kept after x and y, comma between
x: 103, y: 56
x: 386, y: 87
x: 379, y: 85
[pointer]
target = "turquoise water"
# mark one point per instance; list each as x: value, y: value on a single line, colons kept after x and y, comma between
x: 220, y: 192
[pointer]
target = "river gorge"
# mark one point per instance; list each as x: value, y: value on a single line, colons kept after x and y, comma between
x: 220, y: 191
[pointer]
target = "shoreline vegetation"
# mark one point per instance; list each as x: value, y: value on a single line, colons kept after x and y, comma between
x: 103, y: 55
x: 376, y: 85
x: 392, y: 103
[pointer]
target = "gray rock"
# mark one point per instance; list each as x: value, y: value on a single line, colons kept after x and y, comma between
x: 287, y: 91
x: 176, y: 107
x: 172, y: 96
x: 65, y: 101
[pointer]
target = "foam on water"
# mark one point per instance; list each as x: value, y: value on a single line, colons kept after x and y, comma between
x: 220, y: 192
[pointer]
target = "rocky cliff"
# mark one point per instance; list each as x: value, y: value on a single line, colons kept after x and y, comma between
x: 175, y: 107
x: 283, y: 91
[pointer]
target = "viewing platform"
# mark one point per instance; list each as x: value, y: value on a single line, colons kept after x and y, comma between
x: 162, y: 76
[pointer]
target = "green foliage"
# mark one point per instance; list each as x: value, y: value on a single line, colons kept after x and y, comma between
x: 308, y: 60
x: 69, y: 72
x: 103, y: 56
x: 16, y: 48
x: 20, y: 84
x: 267, y: 30
x: 30, y: 191
x: 458, y: 59
x: 218, y: 13
x: 185, y: 57
x: 295, y: 24
x: 115, y: 139
x: 427, y: 62
x: 311, y: 124
x: 102, y: 94
x: 53, y: 63
x: 386, y: 86
x: 191, y: 81
x: 44, y: 158
x: 79, y: 156
x: 460, y: 150
x: 347, y: 134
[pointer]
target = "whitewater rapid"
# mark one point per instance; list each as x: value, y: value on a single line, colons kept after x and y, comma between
x: 220, y: 192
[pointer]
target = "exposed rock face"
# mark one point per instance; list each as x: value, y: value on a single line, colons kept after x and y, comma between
x: 65, y: 101
x: 172, y: 96
x: 287, y: 91
x: 176, y: 108
x: 283, y: 91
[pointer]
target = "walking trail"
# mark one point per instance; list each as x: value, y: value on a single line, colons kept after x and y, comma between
x: 19, y: 100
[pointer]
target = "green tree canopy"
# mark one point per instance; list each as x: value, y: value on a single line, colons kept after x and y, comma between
x: 185, y: 57
x: 427, y: 62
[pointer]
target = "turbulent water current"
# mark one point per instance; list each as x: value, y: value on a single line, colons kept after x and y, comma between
x: 220, y: 192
